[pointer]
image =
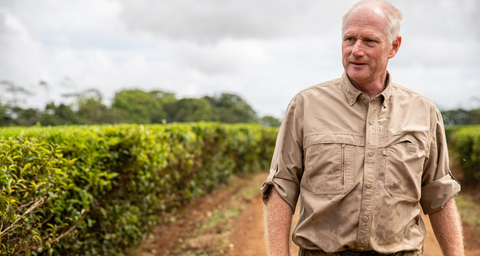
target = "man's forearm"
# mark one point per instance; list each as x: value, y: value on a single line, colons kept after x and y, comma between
x: 448, y: 229
x: 277, y: 222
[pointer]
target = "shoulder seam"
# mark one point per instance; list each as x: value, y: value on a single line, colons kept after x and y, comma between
x: 412, y: 92
x: 329, y: 83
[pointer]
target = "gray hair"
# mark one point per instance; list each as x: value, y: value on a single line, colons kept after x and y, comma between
x: 393, y: 15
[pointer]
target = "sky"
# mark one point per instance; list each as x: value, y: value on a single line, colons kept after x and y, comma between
x: 264, y: 51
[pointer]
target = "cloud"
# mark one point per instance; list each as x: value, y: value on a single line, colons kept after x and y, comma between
x: 434, y: 19
x: 226, y: 57
x: 210, y: 20
x: 20, y: 53
x: 265, y: 51
x: 438, y: 52
x: 439, y: 33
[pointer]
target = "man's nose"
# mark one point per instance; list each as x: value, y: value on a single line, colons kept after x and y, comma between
x: 357, y: 50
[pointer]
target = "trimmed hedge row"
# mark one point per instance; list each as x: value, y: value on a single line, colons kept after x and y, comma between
x: 98, y: 190
x: 465, y: 142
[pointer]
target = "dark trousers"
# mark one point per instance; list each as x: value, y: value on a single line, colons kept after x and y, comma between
x: 305, y: 252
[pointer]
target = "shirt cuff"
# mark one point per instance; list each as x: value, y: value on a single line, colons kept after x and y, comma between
x: 436, y: 194
x: 287, y: 189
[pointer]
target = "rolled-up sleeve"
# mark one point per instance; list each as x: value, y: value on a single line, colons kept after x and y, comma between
x: 438, y: 183
x: 286, y: 168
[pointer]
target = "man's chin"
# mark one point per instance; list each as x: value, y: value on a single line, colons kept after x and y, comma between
x: 357, y: 76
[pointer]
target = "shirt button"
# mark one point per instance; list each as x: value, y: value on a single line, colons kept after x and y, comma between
x: 365, y: 218
x: 370, y: 153
x: 371, y: 122
x: 362, y: 96
x: 369, y: 185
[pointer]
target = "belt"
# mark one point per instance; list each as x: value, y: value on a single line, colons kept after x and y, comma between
x: 352, y: 253
x: 306, y: 252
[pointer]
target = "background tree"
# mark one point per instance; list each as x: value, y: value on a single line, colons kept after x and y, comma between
x: 89, y: 106
x: 140, y: 107
x: 461, y: 116
x: 27, y: 117
x: 59, y: 115
x: 270, y: 121
x: 192, y: 110
x: 167, y: 102
x: 231, y: 108
x: 16, y: 91
x: 5, y: 117
x: 92, y: 111
x: 128, y: 106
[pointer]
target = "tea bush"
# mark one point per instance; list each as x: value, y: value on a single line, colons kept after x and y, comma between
x: 35, y: 191
x: 465, y: 142
x: 98, y: 190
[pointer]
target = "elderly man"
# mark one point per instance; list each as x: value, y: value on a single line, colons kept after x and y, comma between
x: 363, y: 154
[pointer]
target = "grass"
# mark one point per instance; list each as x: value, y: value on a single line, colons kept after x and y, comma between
x: 211, y: 238
x: 468, y: 200
x: 469, y: 208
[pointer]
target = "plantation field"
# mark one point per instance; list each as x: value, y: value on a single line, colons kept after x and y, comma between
x: 101, y: 190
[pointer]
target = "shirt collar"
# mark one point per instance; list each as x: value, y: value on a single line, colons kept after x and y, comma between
x: 353, y: 94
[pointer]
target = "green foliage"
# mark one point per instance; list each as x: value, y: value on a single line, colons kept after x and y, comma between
x: 141, y: 107
x: 231, y: 108
x: 270, y: 121
x: 91, y: 111
x: 59, y: 115
x: 26, y: 117
x: 465, y: 141
x: 104, y: 187
x: 36, y: 189
x: 132, y: 106
x: 5, y: 117
x: 461, y: 116
x: 192, y: 110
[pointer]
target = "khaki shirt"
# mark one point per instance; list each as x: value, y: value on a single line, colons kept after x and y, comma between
x: 361, y: 167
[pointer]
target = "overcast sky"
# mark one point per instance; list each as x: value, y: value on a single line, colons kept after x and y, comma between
x: 263, y: 50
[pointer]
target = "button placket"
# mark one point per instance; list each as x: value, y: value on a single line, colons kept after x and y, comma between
x: 369, y: 174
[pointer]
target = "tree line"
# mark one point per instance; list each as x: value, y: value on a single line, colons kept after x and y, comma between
x: 461, y: 116
x: 135, y: 106
x: 153, y: 107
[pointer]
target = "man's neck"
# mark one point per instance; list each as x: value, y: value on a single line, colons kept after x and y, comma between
x: 371, y: 89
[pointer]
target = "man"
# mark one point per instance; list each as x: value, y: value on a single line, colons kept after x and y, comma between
x: 363, y: 154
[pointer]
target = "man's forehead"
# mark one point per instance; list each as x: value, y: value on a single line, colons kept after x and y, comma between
x: 366, y: 16
x: 373, y: 11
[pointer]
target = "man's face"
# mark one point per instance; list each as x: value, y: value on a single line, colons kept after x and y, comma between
x: 365, y: 46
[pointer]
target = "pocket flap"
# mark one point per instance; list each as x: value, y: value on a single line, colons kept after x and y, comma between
x: 403, y: 138
x: 349, y: 139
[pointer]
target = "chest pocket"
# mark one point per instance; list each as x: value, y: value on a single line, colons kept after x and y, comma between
x: 404, y: 158
x: 329, y: 165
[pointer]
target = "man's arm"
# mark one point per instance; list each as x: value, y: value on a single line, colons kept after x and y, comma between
x: 277, y: 220
x: 448, y: 229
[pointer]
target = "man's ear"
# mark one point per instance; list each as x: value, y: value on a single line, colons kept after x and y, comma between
x: 395, y: 46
